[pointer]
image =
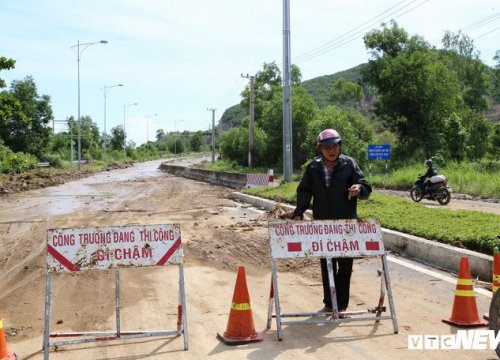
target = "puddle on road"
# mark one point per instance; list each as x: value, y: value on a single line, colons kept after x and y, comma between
x: 73, y: 195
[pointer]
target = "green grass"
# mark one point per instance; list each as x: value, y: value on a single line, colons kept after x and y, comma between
x: 473, y: 230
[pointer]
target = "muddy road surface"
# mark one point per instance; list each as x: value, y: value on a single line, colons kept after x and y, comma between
x: 218, y: 235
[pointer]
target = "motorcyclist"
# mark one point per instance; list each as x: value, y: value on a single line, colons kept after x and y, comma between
x: 431, y: 171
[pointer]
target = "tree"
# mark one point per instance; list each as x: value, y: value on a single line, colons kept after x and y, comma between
x: 196, y: 141
x: 24, y: 118
x: 478, y: 129
x: 6, y: 64
x: 117, y: 139
x: 417, y: 92
x: 234, y: 146
x: 160, y: 134
x: 303, y: 111
x: 346, y: 93
x: 471, y: 72
x: 495, y: 142
x: 354, y: 129
x: 267, y: 82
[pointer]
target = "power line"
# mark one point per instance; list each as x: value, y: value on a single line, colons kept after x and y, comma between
x: 230, y: 94
x: 480, y: 23
x: 489, y: 32
x: 477, y: 25
x: 350, y: 31
x: 346, y: 38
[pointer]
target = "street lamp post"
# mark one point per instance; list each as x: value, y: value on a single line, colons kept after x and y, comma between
x: 175, y: 135
x: 105, y: 135
x: 78, y: 58
x: 125, y: 106
x: 213, y: 133
x: 147, y: 132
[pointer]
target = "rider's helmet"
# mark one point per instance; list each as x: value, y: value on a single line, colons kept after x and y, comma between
x: 329, y: 137
x: 428, y: 162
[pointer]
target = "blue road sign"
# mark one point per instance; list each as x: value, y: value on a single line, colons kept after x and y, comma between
x: 379, y: 152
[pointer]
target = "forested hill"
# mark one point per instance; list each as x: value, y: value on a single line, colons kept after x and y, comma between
x: 319, y: 87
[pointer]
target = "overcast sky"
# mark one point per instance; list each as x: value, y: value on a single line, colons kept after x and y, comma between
x: 176, y: 58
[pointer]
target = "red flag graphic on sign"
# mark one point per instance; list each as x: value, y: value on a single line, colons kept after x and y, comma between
x: 372, y: 245
x: 294, y: 246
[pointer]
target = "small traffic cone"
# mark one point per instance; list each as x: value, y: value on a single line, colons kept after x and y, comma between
x: 240, y: 328
x: 464, y: 311
x: 495, y: 281
x: 4, y: 353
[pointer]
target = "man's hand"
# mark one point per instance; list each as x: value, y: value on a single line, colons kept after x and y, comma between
x: 354, y: 191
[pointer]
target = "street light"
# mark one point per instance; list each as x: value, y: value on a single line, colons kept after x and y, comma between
x: 78, y: 58
x: 147, y: 131
x: 106, y: 88
x: 213, y: 133
x: 175, y: 135
x: 125, y: 106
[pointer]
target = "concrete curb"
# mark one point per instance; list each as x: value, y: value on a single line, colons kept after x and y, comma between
x: 429, y: 252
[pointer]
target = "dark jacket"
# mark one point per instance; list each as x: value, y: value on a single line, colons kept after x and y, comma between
x: 331, y: 202
x: 431, y: 171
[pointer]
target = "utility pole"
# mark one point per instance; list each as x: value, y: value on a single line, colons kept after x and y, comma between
x: 251, y: 120
x: 287, y: 96
x: 213, y: 133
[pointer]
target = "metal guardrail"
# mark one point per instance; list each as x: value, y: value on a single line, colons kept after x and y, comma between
x: 43, y: 164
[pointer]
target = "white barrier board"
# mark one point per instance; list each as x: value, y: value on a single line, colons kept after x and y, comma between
x: 79, y: 249
x: 328, y: 238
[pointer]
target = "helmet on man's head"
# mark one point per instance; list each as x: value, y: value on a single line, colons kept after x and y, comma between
x: 428, y: 162
x: 329, y: 137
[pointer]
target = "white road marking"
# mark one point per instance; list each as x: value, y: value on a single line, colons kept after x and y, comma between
x: 434, y: 274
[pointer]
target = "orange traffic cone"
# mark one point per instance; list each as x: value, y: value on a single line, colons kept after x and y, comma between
x: 496, y: 271
x: 495, y: 281
x: 4, y: 353
x: 464, y: 311
x: 240, y: 328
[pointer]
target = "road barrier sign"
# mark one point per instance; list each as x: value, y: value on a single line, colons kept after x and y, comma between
x: 101, y: 248
x: 327, y: 239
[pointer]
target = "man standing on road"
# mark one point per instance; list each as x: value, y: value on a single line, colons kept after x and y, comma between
x: 334, y: 182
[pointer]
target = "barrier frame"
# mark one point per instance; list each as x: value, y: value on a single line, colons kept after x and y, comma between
x: 174, y: 255
x: 280, y: 244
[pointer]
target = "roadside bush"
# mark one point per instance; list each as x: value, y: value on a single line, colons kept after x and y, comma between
x: 11, y: 162
x: 54, y: 160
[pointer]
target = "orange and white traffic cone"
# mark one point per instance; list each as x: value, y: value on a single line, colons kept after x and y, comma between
x: 4, y: 353
x: 464, y: 311
x: 495, y: 281
x: 240, y: 327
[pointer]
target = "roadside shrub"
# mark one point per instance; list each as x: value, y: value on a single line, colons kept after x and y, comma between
x: 11, y: 162
x: 54, y: 160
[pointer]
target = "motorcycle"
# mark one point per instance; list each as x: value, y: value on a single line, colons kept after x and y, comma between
x: 438, y: 190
